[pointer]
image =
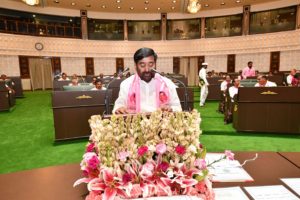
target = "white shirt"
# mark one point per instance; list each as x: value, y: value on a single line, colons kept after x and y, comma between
x: 224, y: 85
x: 289, y: 79
x: 103, y: 88
x: 233, y: 91
x: 147, y: 95
x: 268, y: 84
x: 61, y: 79
x: 202, y: 75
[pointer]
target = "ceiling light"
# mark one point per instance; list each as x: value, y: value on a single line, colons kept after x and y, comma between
x: 31, y: 2
x: 193, y: 6
x: 223, y: 3
x: 103, y: 6
x: 33, y: 16
x: 206, y: 5
x: 118, y: 1
x: 88, y: 5
x: 238, y: 1
x: 56, y: 1
x: 119, y: 7
x: 131, y: 8
x: 146, y: 8
x: 174, y: 1
x: 73, y: 3
x: 158, y: 8
x: 146, y: 2
x: 173, y: 7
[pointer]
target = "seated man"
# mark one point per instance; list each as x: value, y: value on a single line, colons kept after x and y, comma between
x: 225, y: 84
x: 74, y: 82
x: 146, y: 91
x: 292, y: 79
x: 98, y: 85
x: 63, y: 77
x: 263, y: 82
x: 233, y: 90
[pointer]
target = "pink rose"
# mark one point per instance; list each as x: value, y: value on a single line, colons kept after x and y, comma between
x: 163, y: 166
x: 161, y: 148
x: 200, y: 163
x: 90, y: 147
x: 229, y: 155
x: 180, y: 150
x: 91, y: 159
x: 123, y: 156
x: 142, y: 150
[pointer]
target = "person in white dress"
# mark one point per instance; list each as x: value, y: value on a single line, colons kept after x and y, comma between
x: 203, y: 83
x: 263, y: 82
x: 146, y: 91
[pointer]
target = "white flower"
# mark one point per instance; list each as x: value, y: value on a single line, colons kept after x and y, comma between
x: 192, y: 149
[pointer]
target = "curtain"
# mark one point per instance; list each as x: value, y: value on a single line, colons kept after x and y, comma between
x: 193, y: 78
x: 40, y: 73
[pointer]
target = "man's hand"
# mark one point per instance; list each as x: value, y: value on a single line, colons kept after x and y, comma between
x: 166, y: 108
x: 122, y: 110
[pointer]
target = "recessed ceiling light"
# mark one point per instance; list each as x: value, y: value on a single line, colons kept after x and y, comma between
x: 33, y: 16
x: 119, y: 7
x: 131, y: 8
x: 56, y: 1
x: 174, y: 1
x: 73, y: 3
x: 118, y: 1
x: 88, y: 5
x: 146, y: 2
x: 103, y: 6
x: 238, y: 1
x: 223, y: 3
x: 173, y: 7
x: 158, y: 8
x: 206, y: 5
x: 146, y: 8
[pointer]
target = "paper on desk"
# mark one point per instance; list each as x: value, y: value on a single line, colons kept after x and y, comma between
x: 273, y: 192
x: 230, y: 193
x: 293, y: 183
x: 226, y: 170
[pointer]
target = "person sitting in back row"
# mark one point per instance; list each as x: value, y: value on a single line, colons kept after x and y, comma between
x: 292, y: 79
x: 63, y: 77
x: 263, y: 82
x: 74, y: 82
x: 98, y: 85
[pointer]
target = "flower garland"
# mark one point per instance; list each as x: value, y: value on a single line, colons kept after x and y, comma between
x: 146, y: 156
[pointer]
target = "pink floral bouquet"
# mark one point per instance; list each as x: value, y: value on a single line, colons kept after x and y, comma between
x: 146, y: 156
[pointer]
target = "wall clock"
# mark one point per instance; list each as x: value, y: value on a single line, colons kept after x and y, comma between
x: 39, y: 46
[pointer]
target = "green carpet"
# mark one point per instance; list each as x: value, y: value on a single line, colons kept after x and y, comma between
x: 27, y: 136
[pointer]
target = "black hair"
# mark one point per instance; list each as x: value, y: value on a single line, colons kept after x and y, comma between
x: 250, y: 62
x: 98, y: 81
x: 144, y: 53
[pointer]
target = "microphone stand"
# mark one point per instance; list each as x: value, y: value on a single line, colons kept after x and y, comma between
x: 106, y: 93
x: 185, y: 100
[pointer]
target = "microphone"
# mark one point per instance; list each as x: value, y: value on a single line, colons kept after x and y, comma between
x: 186, y: 95
x: 107, y: 88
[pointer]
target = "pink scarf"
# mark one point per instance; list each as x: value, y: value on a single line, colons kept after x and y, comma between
x: 134, y: 96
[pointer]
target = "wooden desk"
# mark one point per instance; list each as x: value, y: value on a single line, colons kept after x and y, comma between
x: 263, y: 109
x: 293, y: 157
x: 57, y: 182
x: 214, y: 88
x: 73, y: 109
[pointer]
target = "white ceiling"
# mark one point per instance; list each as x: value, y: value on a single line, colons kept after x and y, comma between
x: 144, y: 6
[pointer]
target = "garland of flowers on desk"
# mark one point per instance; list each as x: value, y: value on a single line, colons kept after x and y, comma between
x: 146, y: 156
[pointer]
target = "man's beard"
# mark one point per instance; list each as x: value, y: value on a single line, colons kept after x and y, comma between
x: 147, y: 76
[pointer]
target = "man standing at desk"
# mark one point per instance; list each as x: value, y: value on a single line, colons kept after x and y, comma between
x: 203, y: 83
x: 249, y: 70
x: 146, y: 91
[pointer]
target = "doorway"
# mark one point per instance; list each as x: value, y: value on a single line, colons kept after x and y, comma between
x: 40, y: 73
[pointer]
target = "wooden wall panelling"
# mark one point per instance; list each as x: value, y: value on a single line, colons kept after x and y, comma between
x: 275, y: 61
x: 231, y: 63
x: 176, y: 65
x: 201, y: 59
x: 56, y: 65
x: 24, y: 66
x: 89, y: 66
x: 119, y: 65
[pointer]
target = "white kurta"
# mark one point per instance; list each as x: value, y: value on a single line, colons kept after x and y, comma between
x: 147, y: 95
x: 268, y: 84
x: 204, y: 88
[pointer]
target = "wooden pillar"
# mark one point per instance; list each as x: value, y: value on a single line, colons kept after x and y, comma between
x: 125, y: 30
x: 203, y: 27
x: 84, y: 29
x: 246, y: 19
x: 163, y: 26
x: 298, y: 17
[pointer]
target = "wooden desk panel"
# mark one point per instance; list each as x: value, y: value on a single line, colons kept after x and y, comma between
x: 268, y: 110
x: 57, y: 182
x: 293, y: 157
